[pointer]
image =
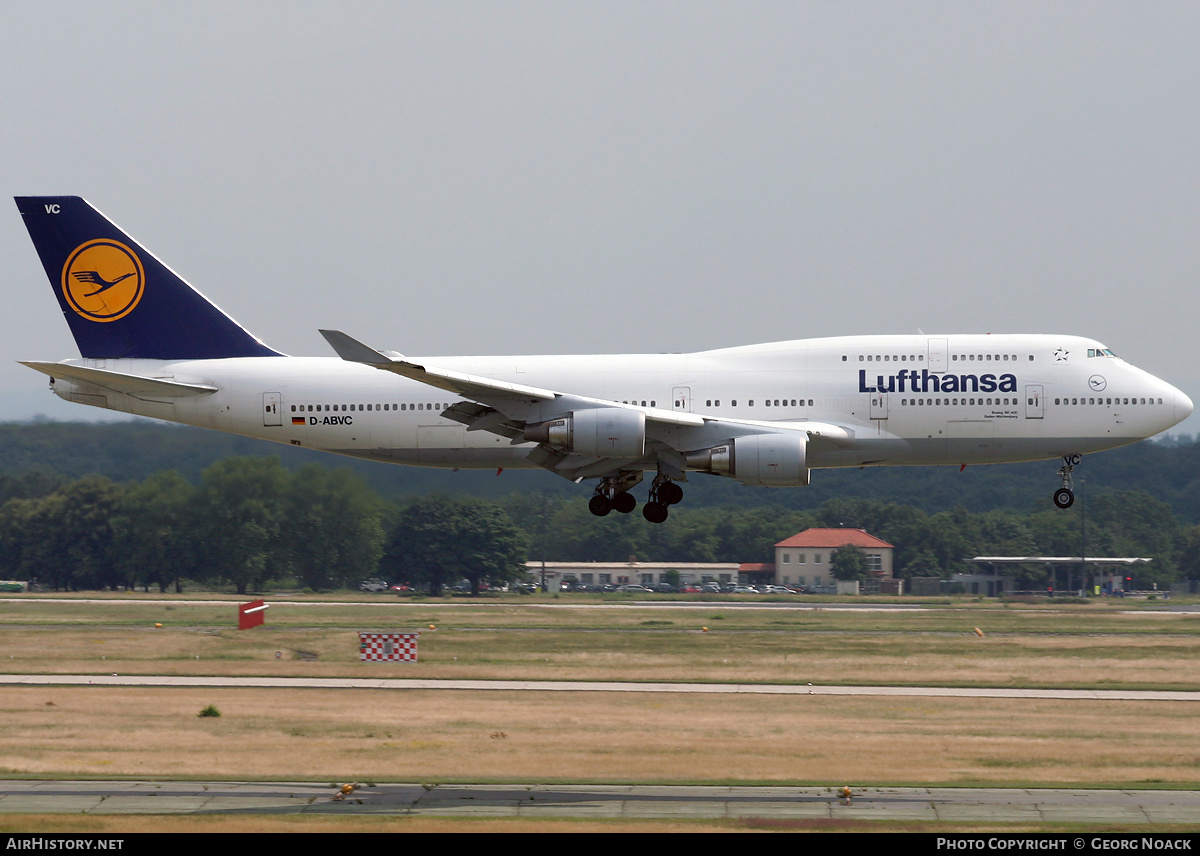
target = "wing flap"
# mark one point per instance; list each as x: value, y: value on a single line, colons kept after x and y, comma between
x: 836, y: 434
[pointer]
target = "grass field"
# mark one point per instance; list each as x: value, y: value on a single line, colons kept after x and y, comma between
x: 457, y: 736
x: 496, y: 736
x: 1106, y: 645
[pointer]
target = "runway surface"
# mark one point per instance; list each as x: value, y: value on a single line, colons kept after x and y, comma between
x: 584, y: 686
x: 1118, y: 807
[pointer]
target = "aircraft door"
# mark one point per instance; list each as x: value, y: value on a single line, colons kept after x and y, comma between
x: 681, y: 399
x: 937, y: 355
x: 1033, y: 401
x: 879, y: 405
x: 272, y: 409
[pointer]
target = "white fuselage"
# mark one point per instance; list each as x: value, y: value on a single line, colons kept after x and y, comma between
x: 902, y: 399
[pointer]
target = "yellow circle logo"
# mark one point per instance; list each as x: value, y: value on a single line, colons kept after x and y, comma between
x: 103, y: 280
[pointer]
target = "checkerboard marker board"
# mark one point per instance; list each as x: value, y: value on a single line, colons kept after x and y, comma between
x: 388, y: 647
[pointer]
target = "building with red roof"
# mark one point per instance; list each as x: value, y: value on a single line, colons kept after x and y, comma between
x: 804, y: 558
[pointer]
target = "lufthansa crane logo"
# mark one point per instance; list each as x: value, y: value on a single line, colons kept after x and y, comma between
x: 103, y: 280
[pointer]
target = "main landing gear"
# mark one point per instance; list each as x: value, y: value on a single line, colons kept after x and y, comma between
x: 663, y: 494
x: 1064, y: 497
x: 612, y: 494
x: 601, y: 504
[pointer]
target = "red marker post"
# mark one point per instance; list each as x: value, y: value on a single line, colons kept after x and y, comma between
x: 251, y: 614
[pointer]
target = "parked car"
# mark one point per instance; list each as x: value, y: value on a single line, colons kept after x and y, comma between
x: 372, y: 585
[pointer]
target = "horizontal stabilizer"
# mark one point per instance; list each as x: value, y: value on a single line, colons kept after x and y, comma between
x: 135, y: 385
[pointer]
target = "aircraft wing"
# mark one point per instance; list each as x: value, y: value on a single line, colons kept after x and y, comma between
x: 484, y: 389
x: 146, y: 388
x: 468, y: 386
x: 506, y: 408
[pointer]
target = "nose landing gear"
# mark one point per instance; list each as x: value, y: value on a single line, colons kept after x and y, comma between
x: 1064, y: 497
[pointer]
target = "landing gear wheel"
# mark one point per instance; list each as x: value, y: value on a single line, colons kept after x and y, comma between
x: 655, y: 512
x: 599, y: 505
x: 1064, y: 497
x: 624, y: 503
x: 670, y: 493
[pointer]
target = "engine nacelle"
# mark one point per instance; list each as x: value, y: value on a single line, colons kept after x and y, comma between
x: 603, y: 432
x: 771, y: 460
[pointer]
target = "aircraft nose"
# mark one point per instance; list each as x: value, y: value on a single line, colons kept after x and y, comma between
x: 1183, y: 406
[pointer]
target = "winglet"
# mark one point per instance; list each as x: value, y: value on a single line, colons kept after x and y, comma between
x: 469, y: 386
x: 354, y: 351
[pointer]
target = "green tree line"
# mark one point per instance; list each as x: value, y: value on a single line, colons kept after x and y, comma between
x: 1167, y: 469
x: 246, y: 522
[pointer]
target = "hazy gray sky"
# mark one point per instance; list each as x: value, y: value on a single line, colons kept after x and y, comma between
x: 458, y: 178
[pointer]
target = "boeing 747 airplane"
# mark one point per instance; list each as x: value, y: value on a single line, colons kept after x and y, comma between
x: 761, y: 414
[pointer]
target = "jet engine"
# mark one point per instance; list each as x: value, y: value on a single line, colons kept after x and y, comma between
x: 603, y: 432
x: 771, y: 460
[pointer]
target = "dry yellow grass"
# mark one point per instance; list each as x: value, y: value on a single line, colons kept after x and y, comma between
x: 499, y: 736
x: 1147, y: 660
x: 438, y: 736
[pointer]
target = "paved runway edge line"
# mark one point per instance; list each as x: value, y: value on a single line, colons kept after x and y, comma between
x: 584, y: 686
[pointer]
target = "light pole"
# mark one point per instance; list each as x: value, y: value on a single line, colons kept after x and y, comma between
x: 545, y: 514
x: 1083, y: 535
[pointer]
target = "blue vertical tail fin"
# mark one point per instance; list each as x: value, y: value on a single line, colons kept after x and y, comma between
x: 119, y: 300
